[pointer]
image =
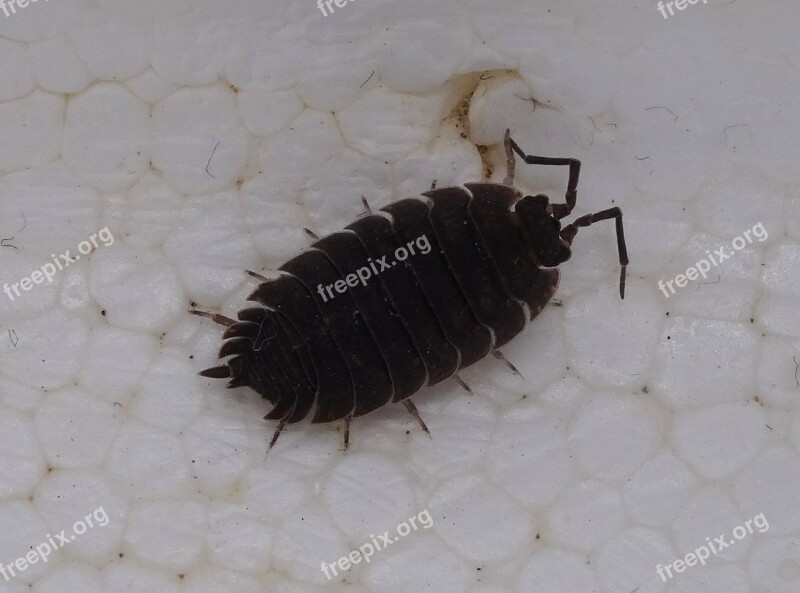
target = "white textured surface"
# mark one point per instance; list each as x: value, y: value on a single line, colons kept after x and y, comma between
x: 206, y: 135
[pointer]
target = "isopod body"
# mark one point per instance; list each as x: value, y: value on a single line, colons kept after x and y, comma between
x: 402, y: 298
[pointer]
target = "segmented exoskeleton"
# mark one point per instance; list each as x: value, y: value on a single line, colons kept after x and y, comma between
x: 490, y: 268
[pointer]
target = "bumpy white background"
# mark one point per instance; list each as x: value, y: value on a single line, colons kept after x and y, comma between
x: 207, y: 134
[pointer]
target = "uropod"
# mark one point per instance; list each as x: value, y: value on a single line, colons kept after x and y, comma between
x: 403, y: 298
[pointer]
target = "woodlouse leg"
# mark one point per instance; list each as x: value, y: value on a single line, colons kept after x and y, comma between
x: 460, y: 381
x: 346, y: 436
x: 433, y: 184
x: 367, y: 209
x: 311, y: 233
x: 215, y: 317
x: 277, y: 433
x: 499, y: 356
x: 222, y: 372
x: 568, y: 234
x: 559, y: 210
x: 412, y: 409
x: 257, y: 276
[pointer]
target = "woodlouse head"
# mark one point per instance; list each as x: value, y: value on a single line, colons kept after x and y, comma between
x: 541, y: 231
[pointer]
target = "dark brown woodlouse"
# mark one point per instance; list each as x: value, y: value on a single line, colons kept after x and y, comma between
x: 490, y: 268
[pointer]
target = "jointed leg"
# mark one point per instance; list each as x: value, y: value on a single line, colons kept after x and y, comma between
x: 559, y: 210
x: 346, y: 436
x: 221, y: 372
x: 215, y: 317
x: 277, y: 433
x: 257, y: 276
x: 461, y: 382
x: 499, y: 356
x: 367, y: 209
x: 412, y: 409
x: 568, y: 234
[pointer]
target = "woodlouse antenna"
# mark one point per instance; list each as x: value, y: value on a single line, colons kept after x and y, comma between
x: 571, y: 195
x: 510, y: 162
x: 568, y: 234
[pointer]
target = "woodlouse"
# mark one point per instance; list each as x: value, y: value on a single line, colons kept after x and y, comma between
x: 492, y: 266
